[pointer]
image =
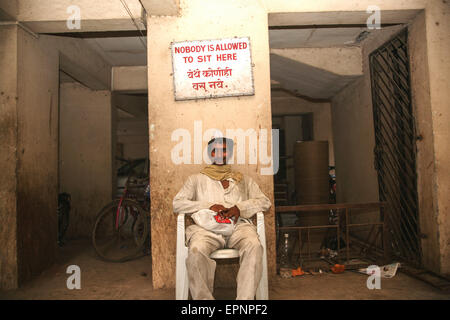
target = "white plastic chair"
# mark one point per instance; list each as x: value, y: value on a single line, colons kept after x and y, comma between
x: 182, y: 282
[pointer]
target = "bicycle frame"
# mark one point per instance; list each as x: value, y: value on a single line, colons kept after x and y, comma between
x: 119, y: 213
x: 119, y: 207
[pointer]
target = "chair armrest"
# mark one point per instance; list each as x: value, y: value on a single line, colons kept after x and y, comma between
x: 260, y: 227
x: 181, y: 236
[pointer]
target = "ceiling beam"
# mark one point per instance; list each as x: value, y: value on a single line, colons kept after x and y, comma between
x: 101, y: 34
x: 161, y: 8
x: 297, y: 95
x: 49, y: 16
x: 129, y: 79
x: 81, y: 62
x: 133, y: 105
x: 327, y: 26
x: 8, y: 10
x: 334, y: 19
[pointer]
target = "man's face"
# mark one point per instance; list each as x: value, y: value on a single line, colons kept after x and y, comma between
x: 219, y: 154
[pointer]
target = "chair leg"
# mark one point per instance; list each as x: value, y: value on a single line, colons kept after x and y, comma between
x: 262, y: 292
x: 181, y: 277
x: 182, y: 280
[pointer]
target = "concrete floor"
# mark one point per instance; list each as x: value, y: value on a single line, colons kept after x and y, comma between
x: 132, y: 280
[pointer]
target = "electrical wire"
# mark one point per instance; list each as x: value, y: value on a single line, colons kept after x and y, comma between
x: 143, y: 6
x: 144, y: 43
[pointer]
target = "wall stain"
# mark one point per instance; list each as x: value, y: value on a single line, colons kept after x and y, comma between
x: 50, y: 114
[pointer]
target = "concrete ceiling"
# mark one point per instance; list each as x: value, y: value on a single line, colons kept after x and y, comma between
x: 50, y: 16
x: 335, y: 18
x: 130, y: 51
x: 320, y: 84
x: 313, y: 38
x: 65, y: 78
x: 285, y: 31
x: 305, y: 80
x: 131, y: 106
x: 290, y: 74
x: 320, y: 30
x: 5, y: 16
x: 121, y: 51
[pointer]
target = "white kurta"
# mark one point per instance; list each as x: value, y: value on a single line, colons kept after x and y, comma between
x: 201, y: 192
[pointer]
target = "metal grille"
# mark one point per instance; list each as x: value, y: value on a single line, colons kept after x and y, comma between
x: 395, y: 148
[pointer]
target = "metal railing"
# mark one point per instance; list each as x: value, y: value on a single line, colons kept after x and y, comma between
x: 343, y: 225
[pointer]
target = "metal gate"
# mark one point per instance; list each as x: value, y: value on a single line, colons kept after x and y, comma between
x: 395, y: 148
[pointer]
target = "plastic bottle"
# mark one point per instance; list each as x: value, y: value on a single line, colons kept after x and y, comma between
x: 285, y: 267
x: 147, y: 191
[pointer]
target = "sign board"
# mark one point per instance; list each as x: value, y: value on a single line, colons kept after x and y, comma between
x: 212, y: 68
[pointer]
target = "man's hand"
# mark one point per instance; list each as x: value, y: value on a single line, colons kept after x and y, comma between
x: 233, y: 213
x: 218, y: 208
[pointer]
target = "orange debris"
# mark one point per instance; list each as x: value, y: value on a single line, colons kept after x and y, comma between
x: 338, y: 268
x: 297, y: 272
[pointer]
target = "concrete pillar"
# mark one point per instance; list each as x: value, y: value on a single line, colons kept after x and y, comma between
x: 29, y: 95
x: 37, y: 150
x: 29, y: 135
x: 8, y: 157
x: 420, y: 93
x: 438, y: 46
x: 129, y: 79
x: 224, y: 19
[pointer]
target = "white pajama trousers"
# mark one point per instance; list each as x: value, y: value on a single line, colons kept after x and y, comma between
x: 201, y: 268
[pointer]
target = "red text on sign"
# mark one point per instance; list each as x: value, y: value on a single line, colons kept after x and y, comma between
x: 204, y: 58
x: 226, y: 56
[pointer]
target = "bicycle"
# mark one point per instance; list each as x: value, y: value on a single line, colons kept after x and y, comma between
x: 122, y: 228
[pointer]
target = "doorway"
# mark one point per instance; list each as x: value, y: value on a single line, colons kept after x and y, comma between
x: 328, y: 71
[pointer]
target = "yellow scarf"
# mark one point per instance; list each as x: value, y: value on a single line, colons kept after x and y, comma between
x: 221, y: 172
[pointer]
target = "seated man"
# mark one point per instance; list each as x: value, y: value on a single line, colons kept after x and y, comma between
x: 233, y: 196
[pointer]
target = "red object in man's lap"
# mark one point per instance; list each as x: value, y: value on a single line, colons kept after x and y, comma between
x: 220, y: 219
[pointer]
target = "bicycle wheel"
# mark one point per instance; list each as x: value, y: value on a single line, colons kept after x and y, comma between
x: 119, y: 233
